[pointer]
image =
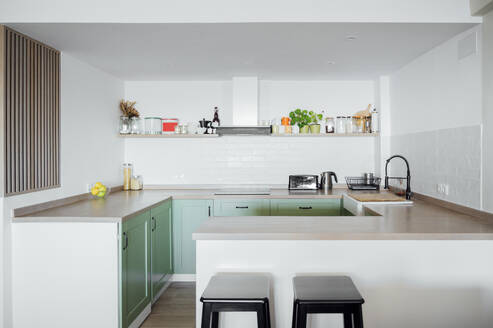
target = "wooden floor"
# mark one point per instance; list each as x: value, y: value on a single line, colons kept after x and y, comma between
x: 175, y: 308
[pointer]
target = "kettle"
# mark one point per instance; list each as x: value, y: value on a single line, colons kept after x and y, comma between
x: 326, y: 180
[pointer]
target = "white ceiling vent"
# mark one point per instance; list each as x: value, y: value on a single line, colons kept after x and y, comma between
x: 467, y: 46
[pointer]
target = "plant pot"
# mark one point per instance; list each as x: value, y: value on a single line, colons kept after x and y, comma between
x: 315, y: 128
x: 304, y: 129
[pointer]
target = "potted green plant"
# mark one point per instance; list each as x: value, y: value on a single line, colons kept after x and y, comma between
x: 314, y: 118
x: 301, y: 118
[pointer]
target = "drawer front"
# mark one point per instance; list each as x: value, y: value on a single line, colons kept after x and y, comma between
x: 306, y: 207
x: 241, y: 207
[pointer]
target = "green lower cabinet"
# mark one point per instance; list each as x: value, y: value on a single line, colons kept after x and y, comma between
x: 241, y: 207
x: 136, y: 265
x: 161, y: 247
x: 188, y: 215
x: 306, y: 207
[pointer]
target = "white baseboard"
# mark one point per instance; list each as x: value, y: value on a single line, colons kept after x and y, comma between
x: 141, y: 317
x: 165, y: 286
x: 182, y: 277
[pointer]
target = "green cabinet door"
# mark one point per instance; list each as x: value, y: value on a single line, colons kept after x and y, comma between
x: 161, y: 247
x: 188, y: 215
x: 241, y: 207
x: 306, y: 207
x: 135, y: 252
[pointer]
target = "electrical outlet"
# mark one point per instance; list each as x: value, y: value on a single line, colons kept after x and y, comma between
x: 442, y: 188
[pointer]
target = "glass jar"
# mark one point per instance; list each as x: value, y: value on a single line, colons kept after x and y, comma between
x: 153, y: 125
x: 341, y: 124
x: 127, y: 175
x: 349, y: 124
x: 124, y: 125
x: 136, y: 183
x: 135, y: 125
x: 359, y: 124
x: 329, y: 125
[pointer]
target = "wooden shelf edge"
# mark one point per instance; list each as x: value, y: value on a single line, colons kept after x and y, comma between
x: 195, y: 136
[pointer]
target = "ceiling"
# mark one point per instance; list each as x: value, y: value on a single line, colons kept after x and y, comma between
x: 328, y: 51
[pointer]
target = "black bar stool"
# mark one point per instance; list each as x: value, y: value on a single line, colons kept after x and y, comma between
x: 236, y: 293
x: 326, y: 294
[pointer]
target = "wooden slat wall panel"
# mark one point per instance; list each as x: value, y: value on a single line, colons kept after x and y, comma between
x: 31, y: 114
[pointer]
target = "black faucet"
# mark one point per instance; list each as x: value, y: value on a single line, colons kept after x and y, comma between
x: 408, y: 178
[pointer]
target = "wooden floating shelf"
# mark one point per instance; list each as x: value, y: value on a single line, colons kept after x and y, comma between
x: 308, y: 135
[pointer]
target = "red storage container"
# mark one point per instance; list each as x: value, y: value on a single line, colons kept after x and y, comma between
x: 169, y: 124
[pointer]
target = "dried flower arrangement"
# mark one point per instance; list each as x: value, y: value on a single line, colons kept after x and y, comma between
x: 128, y: 108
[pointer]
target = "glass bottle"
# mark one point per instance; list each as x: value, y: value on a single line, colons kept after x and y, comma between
x: 215, y: 121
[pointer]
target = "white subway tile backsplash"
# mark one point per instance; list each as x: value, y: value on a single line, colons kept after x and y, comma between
x: 247, y: 160
x: 447, y: 156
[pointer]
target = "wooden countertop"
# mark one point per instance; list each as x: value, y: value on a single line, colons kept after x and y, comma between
x: 420, y: 220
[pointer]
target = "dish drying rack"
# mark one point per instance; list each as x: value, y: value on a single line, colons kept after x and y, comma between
x: 361, y: 183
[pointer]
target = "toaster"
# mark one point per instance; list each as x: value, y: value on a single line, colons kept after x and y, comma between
x: 303, y: 182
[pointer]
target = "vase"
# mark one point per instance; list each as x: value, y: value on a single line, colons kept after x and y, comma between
x: 124, y: 125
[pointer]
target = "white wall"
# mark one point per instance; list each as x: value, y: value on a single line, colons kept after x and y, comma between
x: 147, y: 11
x: 190, y: 101
x: 248, y: 160
x: 436, y: 121
x: 488, y: 112
x: 278, y: 98
x: 90, y: 148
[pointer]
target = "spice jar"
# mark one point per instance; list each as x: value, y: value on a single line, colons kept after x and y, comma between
x: 329, y: 125
x: 127, y: 175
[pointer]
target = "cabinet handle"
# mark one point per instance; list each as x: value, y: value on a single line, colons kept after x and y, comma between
x: 305, y: 207
x: 209, y: 211
x: 125, y: 238
x: 153, y: 224
x: 241, y: 206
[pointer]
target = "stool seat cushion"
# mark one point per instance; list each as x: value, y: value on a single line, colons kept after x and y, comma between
x: 326, y: 289
x: 237, y: 287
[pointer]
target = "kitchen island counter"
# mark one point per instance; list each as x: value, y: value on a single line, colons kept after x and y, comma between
x: 419, y: 221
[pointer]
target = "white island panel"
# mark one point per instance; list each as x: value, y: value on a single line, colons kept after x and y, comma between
x: 66, y: 274
x: 405, y: 283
